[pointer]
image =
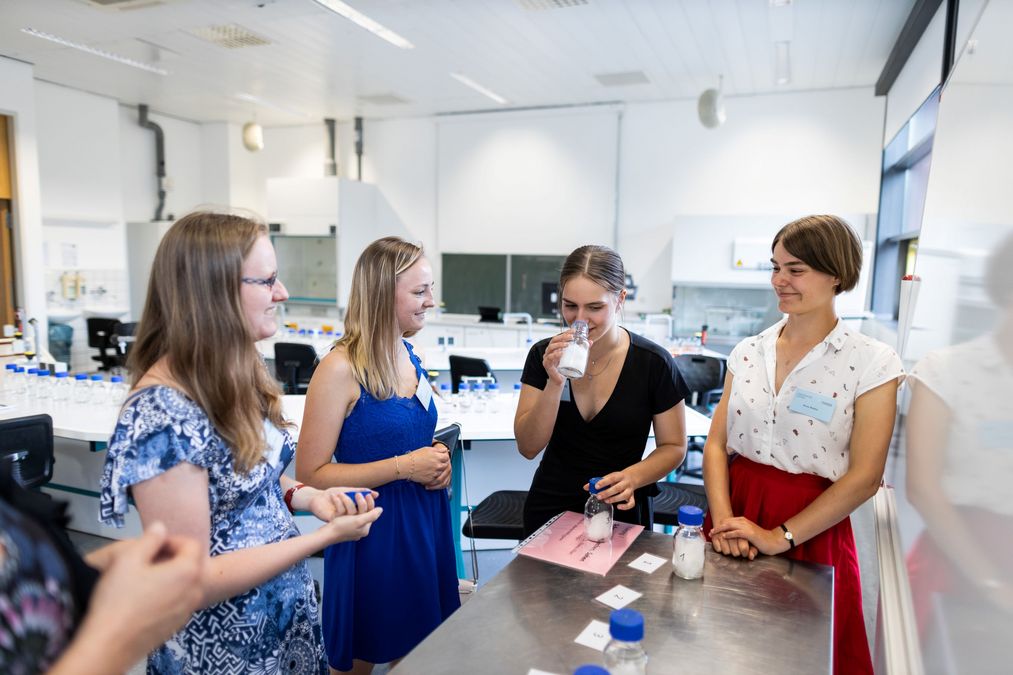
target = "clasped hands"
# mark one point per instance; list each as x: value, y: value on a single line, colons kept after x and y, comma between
x: 742, y: 538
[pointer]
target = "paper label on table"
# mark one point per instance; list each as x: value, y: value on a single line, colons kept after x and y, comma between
x: 561, y: 541
x: 595, y: 636
x: 618, y: 596
x: 648, y: 563
x: 424, y: 393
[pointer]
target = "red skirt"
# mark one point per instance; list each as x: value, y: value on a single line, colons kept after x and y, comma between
x: 768, y: 497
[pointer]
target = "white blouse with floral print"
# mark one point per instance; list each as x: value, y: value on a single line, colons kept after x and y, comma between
x: 766, y: 428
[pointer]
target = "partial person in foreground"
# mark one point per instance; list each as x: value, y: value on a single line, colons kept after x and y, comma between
x: 598, y: 424
x: 200, y: 444
x: 800, y: 437
x: 369, y: 420
x: 99, y: 614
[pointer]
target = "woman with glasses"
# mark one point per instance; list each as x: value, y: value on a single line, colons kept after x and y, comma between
x: 800, y: 437
x: 201, y: 445
x: 369, y: 420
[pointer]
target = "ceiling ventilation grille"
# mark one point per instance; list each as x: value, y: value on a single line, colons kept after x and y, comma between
x: 230, y: 36
x: 538, y: 5
x: 622, y: 79
x: 383, y: 99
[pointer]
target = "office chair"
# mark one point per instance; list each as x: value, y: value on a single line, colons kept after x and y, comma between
x: 674, y: 495
x: 26, y: 445
x: 466, y: 366
x: 705, y: 377
x: 294, y: 363
x: 102, y: 336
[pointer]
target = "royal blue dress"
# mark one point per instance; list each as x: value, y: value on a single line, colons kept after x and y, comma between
x: 386, y: 592
x: 272, y: 628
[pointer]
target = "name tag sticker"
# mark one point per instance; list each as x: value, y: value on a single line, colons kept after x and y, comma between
x: 565, y: 397
x: 425, y: 392
x: 814, y: 405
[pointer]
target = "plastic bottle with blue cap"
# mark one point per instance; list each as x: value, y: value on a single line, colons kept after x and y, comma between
x: 624, y: 654
x: 82, y: 392
x: 44, y: 387
x: 590, y: 669
x: 597, y: 515
x: 62, y: 387
x: 689, y: 549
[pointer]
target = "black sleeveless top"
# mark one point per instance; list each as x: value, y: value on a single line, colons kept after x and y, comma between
x: 649, y: 383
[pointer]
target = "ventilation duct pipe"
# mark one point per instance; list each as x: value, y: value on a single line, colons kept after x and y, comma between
x: 331, y: 163
x: 159, y: 157
x: 358, y: 148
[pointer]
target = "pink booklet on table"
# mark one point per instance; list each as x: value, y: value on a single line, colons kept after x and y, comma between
x: 561, y: 541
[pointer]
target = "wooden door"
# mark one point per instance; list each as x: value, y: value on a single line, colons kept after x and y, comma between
x: 6, y: 226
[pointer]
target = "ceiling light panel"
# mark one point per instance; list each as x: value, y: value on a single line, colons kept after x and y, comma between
x: 468, y: 82
x: 363, y: 21
x: 118, y: 58
x: 622, y: 79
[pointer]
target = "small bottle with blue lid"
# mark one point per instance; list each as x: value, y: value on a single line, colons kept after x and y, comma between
x: 689, y: 547
x: 597, y: 515
x: 624, y: 654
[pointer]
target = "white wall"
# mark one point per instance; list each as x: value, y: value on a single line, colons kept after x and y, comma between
x: 17, y: 99
x: 183, y: 166
x: 530, y: 182
x: 777, y: 155
x: 919, y: 76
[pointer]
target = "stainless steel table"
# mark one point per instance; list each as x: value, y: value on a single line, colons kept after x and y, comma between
x: 770, y: 615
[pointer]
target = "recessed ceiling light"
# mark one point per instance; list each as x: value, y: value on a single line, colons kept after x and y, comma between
x: 467, y: 81
x: 125, y: 60
x: 360, y: 19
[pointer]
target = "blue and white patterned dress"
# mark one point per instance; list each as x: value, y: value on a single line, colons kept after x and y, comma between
x: 272, y: 628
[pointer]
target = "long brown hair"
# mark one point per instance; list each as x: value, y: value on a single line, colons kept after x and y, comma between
x: 371, y: 330
x: 193, y: 317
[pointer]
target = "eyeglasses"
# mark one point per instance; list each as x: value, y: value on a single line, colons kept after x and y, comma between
x: 268, y: 283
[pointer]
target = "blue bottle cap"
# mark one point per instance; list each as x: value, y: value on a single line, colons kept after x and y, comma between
x: 62, y: 375
x: 444, y: 387
x: 691, y: 515
x: 96, y: 378
x: 493, y: 387
x: 590, y: 669
x: 43, y: 373
x: 593, y: 485
x: 33, y: 371
x: 80, y: 376
x: 11, y: 366
x: 627, y: 625
x: 19, y: 369
x: 462, y: 387
x: 115, y: 378
x: 517, y: 386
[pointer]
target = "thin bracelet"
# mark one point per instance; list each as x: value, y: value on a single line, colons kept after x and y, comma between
x: 411, y: 471
x: 397, y: 469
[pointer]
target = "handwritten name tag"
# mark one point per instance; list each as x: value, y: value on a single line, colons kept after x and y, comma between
x: 424, y: 393
x: 814, y: 405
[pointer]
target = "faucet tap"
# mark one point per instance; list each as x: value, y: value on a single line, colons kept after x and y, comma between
x: 526, y: 317
x: 667, y: 318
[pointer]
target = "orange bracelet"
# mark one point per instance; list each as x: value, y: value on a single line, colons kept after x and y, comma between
x: 291, y: 493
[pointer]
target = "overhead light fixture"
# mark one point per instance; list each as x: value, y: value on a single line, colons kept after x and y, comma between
x: 125, y: 60
x: 782, y: 62
x: 710, y: 107
x: 363, y: 21
x: 256, y: 100
x: 780, y: 3
x: 468, y: 82
x: 253, y: 136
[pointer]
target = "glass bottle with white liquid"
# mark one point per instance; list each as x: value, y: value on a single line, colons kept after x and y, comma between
x: 573, y: 363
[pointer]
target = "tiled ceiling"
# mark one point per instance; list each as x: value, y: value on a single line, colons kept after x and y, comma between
x: 296, y: 61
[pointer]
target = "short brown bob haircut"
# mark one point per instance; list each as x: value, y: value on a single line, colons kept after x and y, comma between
x: 826, y: 244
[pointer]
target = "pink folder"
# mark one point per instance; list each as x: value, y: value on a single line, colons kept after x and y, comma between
x: 561, y: 541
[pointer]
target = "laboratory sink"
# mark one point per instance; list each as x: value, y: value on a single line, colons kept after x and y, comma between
x: 105, y: 312
x: 62, y: 314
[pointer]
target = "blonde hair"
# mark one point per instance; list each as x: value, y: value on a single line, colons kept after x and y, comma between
x: 371, y: 329
x: 193, y: 317
x: 827, y: 244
